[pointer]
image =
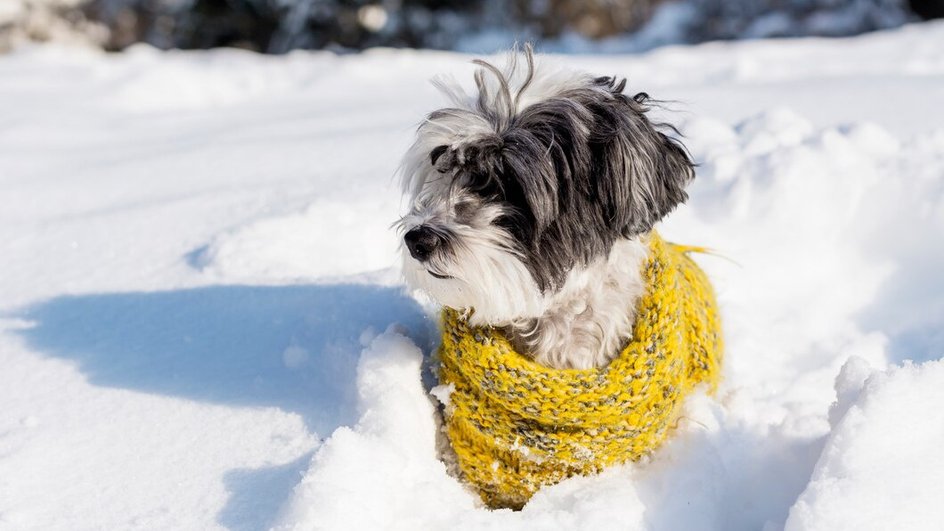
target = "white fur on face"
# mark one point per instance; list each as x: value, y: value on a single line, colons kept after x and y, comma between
x: 486, y: 274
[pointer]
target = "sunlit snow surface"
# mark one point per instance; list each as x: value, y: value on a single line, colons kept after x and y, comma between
x: 202, y: 325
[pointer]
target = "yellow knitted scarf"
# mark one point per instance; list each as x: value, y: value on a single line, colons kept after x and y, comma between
x: 516, y: 425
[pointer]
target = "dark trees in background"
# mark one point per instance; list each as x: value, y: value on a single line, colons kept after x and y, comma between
x: 277, y: 26
x: 927, y: 9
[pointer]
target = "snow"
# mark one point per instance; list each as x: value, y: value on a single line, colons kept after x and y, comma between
x: 203, y: 327
x: 852, y: 485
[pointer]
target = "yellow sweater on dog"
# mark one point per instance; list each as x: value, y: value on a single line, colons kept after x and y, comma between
x: 516, y: 425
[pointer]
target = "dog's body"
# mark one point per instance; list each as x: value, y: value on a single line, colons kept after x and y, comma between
x: 531, y: 202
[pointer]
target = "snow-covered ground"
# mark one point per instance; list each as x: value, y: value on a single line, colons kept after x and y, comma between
x: 202, y: 324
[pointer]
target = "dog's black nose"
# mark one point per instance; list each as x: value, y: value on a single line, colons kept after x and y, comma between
x: 421, y: 242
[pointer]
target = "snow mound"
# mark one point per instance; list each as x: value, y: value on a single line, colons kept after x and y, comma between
x: 327, y: 239
x: 382, y: 472
x: 881, y: 467
x: 223, y: 77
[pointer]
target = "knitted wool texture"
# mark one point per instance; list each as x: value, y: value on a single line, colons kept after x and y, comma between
x: 516, y: 425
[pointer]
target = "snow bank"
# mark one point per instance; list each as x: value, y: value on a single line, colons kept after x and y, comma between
x: 327, y: 239
x: 881, y: 467
x: 383, y: 472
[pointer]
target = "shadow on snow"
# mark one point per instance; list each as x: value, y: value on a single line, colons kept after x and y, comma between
x: 291, y: 347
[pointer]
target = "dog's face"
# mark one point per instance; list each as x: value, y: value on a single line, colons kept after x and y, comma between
x: 534, y: 177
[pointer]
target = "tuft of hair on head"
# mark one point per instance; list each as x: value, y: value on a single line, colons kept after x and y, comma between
x: 502, y: 106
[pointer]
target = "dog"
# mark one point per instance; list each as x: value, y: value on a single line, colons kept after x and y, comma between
x: 530, y: 204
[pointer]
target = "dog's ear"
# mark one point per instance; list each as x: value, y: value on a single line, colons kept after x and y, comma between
x: 641, y: 172
x: 549, y: 157
x: 530, y: 181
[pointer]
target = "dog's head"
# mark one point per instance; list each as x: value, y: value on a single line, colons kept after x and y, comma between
x: 534, y: 176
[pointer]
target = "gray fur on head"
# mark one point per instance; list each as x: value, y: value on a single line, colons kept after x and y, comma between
x: 545, y: 167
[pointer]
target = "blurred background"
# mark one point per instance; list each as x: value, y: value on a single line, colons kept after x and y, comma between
x: 484, y: 26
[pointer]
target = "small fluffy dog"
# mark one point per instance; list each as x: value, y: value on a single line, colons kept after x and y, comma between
x: 530, y: 204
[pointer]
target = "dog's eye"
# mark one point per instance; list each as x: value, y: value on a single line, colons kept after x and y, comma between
x: 484, y: 185
x: 465, y: 210
x: 436, y: 153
